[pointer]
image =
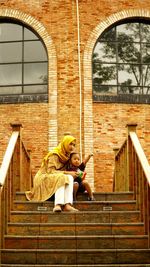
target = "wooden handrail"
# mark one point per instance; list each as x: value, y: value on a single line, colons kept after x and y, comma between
x: 132, y: 173
x: 15, y: 175
x: 7, y: 157
x: 141, y: 155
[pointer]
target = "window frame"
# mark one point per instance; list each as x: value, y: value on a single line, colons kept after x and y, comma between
x: 120, y: 98
x: 29, y: 97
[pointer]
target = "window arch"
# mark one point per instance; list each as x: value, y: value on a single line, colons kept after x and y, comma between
x: 121, y: 63
x: 23, y: 64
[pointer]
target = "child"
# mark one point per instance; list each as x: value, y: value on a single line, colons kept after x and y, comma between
x: 80, y: 184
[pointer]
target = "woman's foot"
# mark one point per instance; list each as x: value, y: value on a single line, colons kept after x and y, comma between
x: 68, y: 207
x: 57, y: 208
x: 92, y: 198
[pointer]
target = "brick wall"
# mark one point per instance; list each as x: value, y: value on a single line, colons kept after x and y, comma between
x: 34, y: 119
x: 103, y: 125
x: 110, y: 131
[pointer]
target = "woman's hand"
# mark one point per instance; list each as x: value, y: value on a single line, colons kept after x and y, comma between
x: 74, y: 174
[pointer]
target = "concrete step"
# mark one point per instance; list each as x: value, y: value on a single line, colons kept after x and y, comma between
x: 100, y: 196
x: 53, y: 229
x: 75, y: 256
x: 105, y: 233
x: 73, y: 242
x: 81, y: 205
x: 78, y: 265
x: 78, y: 217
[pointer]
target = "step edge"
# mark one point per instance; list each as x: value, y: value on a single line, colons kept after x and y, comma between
x: 78, y: 236
x: 78, y: 224
x: 76, y: 250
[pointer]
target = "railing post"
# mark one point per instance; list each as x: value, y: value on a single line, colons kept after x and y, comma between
x: 148, y: 216
x: 30, y: 180
x: 0, y: 224
x: 16, y: 127
x: 131, y: 127
x: 17, y: 159
x: 115, y: 178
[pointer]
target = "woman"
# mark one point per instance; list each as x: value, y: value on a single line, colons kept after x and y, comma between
x: 52, y: 178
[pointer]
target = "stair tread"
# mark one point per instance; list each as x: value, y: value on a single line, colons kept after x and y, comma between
x: 95, y: 193
x: 76, y: 236
x: 77, y: 223
x: 78, y: 265
x: 75, y: 213
x: 98, y: 195
x: 78, y: 201
x: 73, y: 250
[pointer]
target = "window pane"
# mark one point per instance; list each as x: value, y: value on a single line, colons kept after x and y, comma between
x: 137, y: 90
x: 105, y: 74
x: 145, y: 32
x: 146, y: 75
x: 105, y: 89
x: 29, y: 35
x: 128, y: 89
x: 129, y: 75
x: 129, y: 52
x: 35, y: 89
x: 145, y: 49
x: 131, y: 30
x: 10, y: 52
x: 146, y: 90
x: 10, y: 74
x: 10, y: 90
x: 106, y: 51
x: 109, y: 35
x: 35, y: 73
x: 34, y: 51
x: 10, y: 32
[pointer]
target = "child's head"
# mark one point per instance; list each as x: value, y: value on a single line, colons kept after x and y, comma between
x: 75, y: 159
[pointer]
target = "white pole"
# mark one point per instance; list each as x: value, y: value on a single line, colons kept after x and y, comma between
x: 80, y: 80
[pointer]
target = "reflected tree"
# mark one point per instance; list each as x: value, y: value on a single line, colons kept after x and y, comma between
x: 121, y: 59
x: 44, y: 80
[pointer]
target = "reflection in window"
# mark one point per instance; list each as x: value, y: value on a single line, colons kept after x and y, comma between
x: 33, y: 51
x: 10, y: 74
x: 34, y: 73
x: 10, y: 52
x: 121, y: 63
x: 23, y: 63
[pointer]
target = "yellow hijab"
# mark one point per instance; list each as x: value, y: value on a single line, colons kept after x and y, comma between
x: 61, y: 149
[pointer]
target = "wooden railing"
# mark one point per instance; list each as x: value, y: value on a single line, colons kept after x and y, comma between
x: 15, y: 175
x: 132, y: 173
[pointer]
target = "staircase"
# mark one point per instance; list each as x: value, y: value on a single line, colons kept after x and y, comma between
x: 113, y: 231
x: 104, y: 233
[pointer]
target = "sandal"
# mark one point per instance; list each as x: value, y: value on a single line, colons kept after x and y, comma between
x: 57, y: 209
x: 70, y: 209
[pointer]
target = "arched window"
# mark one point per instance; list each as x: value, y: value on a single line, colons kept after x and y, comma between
x: 121, y: 64
x: 23, y: 65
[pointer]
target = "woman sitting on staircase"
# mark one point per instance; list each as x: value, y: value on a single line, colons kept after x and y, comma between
x: 53, y: 179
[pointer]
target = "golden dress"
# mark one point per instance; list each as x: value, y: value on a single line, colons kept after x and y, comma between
x: 51, y: 175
